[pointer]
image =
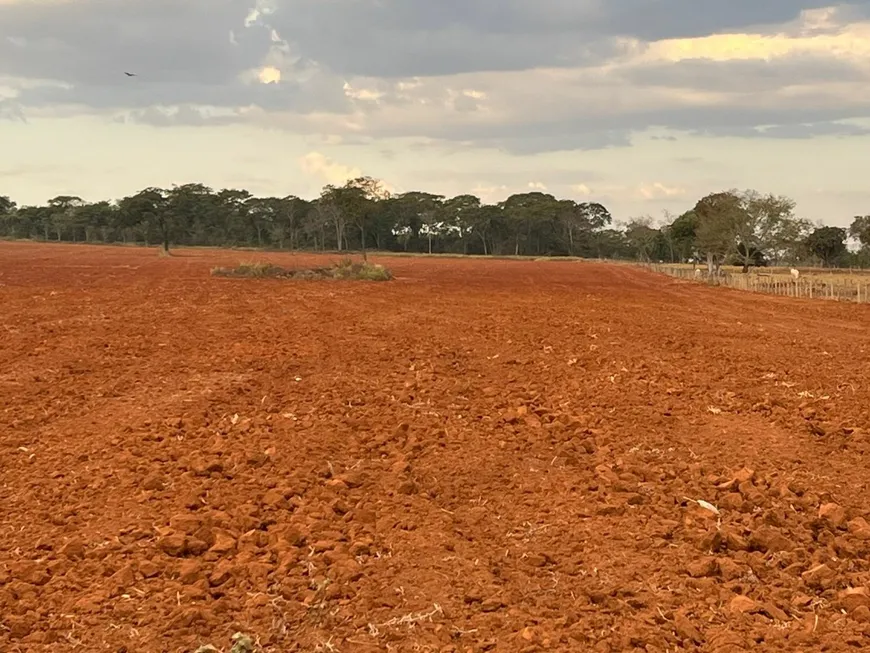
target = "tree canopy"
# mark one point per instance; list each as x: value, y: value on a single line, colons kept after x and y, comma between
x: 741, y: 227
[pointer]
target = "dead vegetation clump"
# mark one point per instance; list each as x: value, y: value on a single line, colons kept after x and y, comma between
x: 346, y: 269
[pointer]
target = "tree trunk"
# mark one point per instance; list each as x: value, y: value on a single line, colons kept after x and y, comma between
x: 338, y: 235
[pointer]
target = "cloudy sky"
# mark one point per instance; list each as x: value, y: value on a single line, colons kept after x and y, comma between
x: 644, y: 105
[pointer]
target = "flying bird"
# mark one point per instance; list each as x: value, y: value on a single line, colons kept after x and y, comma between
x: 130, y: 74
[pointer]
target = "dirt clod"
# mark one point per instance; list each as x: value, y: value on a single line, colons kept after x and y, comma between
x: 482, y: 454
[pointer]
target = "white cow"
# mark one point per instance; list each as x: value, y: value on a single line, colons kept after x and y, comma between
x: 795, y: 274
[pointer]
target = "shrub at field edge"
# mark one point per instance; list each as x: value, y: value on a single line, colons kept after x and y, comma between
x: 346, y: 269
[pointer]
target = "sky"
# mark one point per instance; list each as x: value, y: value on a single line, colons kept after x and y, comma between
x: 642, y: 105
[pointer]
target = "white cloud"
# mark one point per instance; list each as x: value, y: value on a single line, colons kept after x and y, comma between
x: 491, y: 193
x: 364, y: 94
x: 269, y: 75
x: 322, y: 167
x: 657, y: 191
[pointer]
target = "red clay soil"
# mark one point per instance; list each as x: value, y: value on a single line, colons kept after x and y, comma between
x: 481, y: 455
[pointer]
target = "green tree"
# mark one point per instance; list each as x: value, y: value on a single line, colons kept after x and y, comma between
x: 328, y: 213
x: 790, y: 243
x: 64, y: 215
x: 9, y: 223
x: 578, y: 224
x: 7, y: 206
x: 150, y: 210
x: 719, y: 216
x: 418, y: 214
x: 828, y: 243
x: 191, y: 214
x: 860, y: 230
x: 33, y: 221
x: 354, y: 203
x: 528, y: 216
x: 641, y: 237
x: 483, y: 222
x: 459, y: 213
x: 682, y: 232
x: 435, y: 227
x: 97, y: 220
x: 290, y: 212
x: 761, y: 224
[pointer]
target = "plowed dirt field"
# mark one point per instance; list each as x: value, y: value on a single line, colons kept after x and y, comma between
x: 480, y: 455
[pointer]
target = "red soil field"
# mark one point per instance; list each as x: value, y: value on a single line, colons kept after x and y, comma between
x: 480, y: 455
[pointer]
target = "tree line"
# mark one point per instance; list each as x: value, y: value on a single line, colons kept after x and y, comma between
x: 742, y: 227
x: 748, y: 229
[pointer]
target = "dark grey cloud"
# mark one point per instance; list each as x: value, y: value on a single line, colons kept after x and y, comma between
x: 90, y: 41
x: 668, y: 19
x: 538, y: 135
x: 317, y: 94
x: 182, y: 116
x: 12, y: 110
x: 94, y: 41
x: 395, y: 38
x: 186, y: 58
x: 182, y: 51
x: 523, y: 141
x: 792, y: 131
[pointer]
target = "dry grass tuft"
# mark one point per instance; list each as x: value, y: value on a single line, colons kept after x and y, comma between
x: 346, y: 269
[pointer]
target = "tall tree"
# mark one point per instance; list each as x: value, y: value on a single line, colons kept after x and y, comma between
x: 193, y: 210
x: 63, y: 210
x: 719, y: 216
x: 459, y: 213
x: 6, y: 205
x: 578, y: 223
x: 860, y: 230
x: 149, y: 208
x: 9, y: 222
x: 354, y: 203
x: 828, y: 243
x: 419, y: 214
x: 641, y: 236
x: 682, y: 232
x: 762, y: 223
x: 97, y: 219
x: 527, y: 215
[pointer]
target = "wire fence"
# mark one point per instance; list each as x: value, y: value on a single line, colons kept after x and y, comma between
x: 841, y: 286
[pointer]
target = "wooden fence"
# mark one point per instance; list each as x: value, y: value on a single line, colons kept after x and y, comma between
x: 853, y: 288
